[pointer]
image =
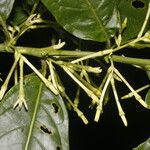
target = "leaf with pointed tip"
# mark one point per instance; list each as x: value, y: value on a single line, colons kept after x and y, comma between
x: 5, y: 8
x: 87, y: 19
x: 144, y: 146
x: 43, y: 127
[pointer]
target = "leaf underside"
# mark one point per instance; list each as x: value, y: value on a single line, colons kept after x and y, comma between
x: 43, y: 127
x: 5, y: 8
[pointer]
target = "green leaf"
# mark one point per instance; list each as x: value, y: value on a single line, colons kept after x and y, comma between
x: 5, y: 8
x: 87, y: 19
x: 28, y: 4
x: 43, y: 127
x: 144, y: 146
x: 135, y: 11
x: 147, y: 98
x: 18, y: 15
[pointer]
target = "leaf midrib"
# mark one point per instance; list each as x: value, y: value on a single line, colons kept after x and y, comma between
x: 33, y: 118
x: 96, y: 17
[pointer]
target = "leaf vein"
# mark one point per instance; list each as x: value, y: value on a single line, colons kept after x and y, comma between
x: 99, y: 22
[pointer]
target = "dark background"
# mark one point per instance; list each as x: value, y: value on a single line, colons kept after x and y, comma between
x: 109, y: 132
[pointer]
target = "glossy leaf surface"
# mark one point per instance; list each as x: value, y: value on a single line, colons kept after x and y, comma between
x: 87, y: 19
x: 5, y: 8
x: 144, y: 146
x: 43, y: 127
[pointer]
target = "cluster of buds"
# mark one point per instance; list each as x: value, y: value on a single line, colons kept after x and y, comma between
x: 111, y: 75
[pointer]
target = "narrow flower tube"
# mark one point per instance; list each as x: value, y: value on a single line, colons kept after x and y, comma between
x: 21, y: 100
x: 99, y: 108
x: 121, y: 112
x: 5, y: 84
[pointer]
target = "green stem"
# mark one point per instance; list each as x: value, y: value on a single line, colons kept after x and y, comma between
x: 142, y: 45
x: 132, y: 61
x: 44, y: 52
x: 49, y: 51
x: 6, y: 32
